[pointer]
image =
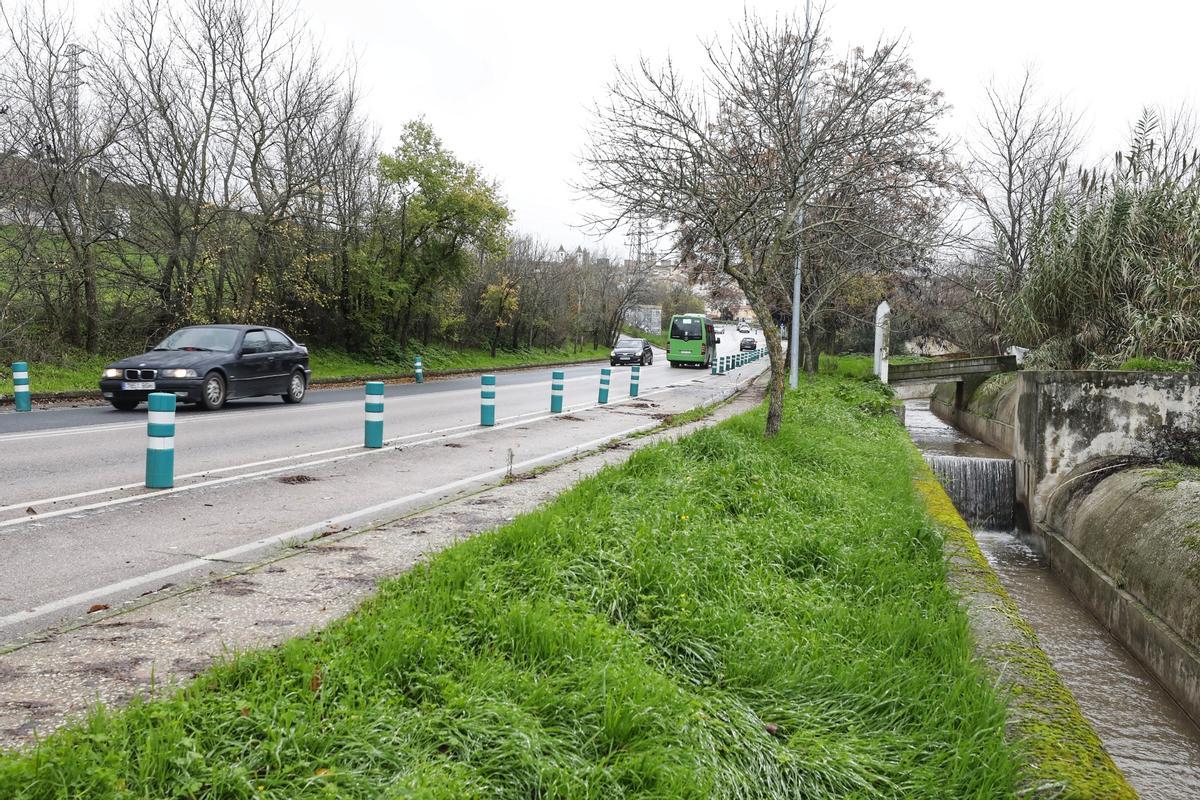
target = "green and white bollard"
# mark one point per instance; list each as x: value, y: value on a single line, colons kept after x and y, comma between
x: 634, y: 376
x: 487, y: 400
x: 373, y: 424
x: 419, y: 368
x: 160, y: 441
x: 557, y: 381
x: 605, y: 378
x: 21, y: 399
x: 713, y: 366
x: 720, y: 365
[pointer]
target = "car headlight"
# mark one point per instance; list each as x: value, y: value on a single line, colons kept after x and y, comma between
x: 179, y: 373
x: 112, y: 372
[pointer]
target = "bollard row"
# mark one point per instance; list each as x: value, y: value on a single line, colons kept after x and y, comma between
x: 557, y: 382
x: 20, y: 373
x: 373, y: 422
x: 160, y: 425
x: 160, y: 441
x: 487, y: 400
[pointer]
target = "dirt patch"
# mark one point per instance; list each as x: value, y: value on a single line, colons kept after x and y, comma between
x: 235, y: 587
x: 452, y: 444
x: 569, y: 418
x: 292, y: 480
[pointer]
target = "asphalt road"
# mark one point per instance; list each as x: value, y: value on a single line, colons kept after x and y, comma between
x: 79, y: 529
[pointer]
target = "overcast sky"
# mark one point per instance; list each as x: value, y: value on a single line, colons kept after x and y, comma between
x: 508, y: 84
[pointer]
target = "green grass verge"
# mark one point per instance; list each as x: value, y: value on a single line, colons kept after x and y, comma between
x: 659, y: 340
x: 859, y: 365
x: 754, y: 619
x: 77, y: 372
x: 1141, y: 364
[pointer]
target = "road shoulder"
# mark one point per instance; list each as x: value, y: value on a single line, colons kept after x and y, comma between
x: 164, y: 642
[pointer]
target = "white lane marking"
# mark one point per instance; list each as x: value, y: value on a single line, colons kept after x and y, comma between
x: 302, y: 533
x: 475, y: 431
x: 227, y: 415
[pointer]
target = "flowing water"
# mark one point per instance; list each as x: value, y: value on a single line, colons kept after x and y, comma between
x: 1147, y: 734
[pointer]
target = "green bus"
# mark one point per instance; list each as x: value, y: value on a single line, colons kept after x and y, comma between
x: 692, y: 340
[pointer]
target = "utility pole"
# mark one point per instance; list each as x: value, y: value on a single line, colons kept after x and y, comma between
x: 794, y: 338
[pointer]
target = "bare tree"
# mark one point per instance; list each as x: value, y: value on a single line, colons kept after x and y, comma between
x: 1015, y: 170
x: 729, y: 162
x: 64, y: 137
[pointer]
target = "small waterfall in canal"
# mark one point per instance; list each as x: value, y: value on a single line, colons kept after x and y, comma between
x: 1147, y: 734
x: 981, y: 488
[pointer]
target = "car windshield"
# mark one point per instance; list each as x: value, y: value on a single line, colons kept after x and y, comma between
x: 222, y: 339
x: 629, y: 343
x: 687, y: 328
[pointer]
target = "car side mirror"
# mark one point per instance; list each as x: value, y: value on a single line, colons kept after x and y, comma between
x: 718, y: 340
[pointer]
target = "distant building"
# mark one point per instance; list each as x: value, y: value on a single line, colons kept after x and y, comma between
x: 929, y: 346
x: 645, y: 318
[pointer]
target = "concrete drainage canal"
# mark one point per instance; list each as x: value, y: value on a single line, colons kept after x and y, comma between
x: 1147, y: 734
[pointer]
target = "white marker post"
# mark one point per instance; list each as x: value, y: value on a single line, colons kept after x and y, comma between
x: 883, y: 324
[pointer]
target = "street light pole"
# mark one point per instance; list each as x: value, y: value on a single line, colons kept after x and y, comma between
x: 794, y: 338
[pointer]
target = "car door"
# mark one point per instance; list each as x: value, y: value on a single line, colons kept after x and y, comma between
x: 253, y: 366
x: 285, y: 357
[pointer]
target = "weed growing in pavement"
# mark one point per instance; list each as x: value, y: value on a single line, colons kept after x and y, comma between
x: 720, y: 617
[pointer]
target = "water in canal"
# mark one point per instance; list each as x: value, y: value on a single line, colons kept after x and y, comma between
x: 1147, y: 734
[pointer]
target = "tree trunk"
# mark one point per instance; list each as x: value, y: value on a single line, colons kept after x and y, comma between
x: 91, y: 302
x: 778, y: 365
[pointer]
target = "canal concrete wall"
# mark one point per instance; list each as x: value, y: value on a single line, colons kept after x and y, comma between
x: 1063, y: 757
x: 1127, y: 544
x: 1052, y: 421
x: 1124, y: 537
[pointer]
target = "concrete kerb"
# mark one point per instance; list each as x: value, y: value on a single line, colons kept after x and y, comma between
x: 175, y: 654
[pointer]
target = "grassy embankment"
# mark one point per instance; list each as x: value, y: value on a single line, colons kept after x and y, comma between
x: 81, y: 373
x: 659, y: 340
x: 755, y: 619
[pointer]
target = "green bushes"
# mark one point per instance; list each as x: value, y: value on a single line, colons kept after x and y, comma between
x: 1142, y: 364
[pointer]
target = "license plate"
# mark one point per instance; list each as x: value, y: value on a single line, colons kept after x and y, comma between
x: 137, y: 386
x: 685, y: 352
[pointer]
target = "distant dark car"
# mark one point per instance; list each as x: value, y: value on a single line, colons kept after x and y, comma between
x: 631, y: 351
x: 749, y: 343
x: 209, y: 364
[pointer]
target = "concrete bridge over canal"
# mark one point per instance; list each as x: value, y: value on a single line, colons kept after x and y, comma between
x: 975, y: 369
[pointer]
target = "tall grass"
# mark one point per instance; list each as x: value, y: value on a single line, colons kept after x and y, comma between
x: 723, y: 617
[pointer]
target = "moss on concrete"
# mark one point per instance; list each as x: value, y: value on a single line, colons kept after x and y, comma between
x: 1064, y: 757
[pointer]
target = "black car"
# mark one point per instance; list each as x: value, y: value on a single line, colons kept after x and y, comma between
x: 209, y: 364
x: 749, y: 343
x: 631, y: 351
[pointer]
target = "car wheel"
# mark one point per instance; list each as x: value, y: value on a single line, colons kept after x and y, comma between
x: 212, y: 396
x: 296, y: 388
x: 612, y: 363
x: 124, y: 403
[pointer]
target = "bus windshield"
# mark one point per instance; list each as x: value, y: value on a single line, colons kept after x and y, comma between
x: 687, y: 328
